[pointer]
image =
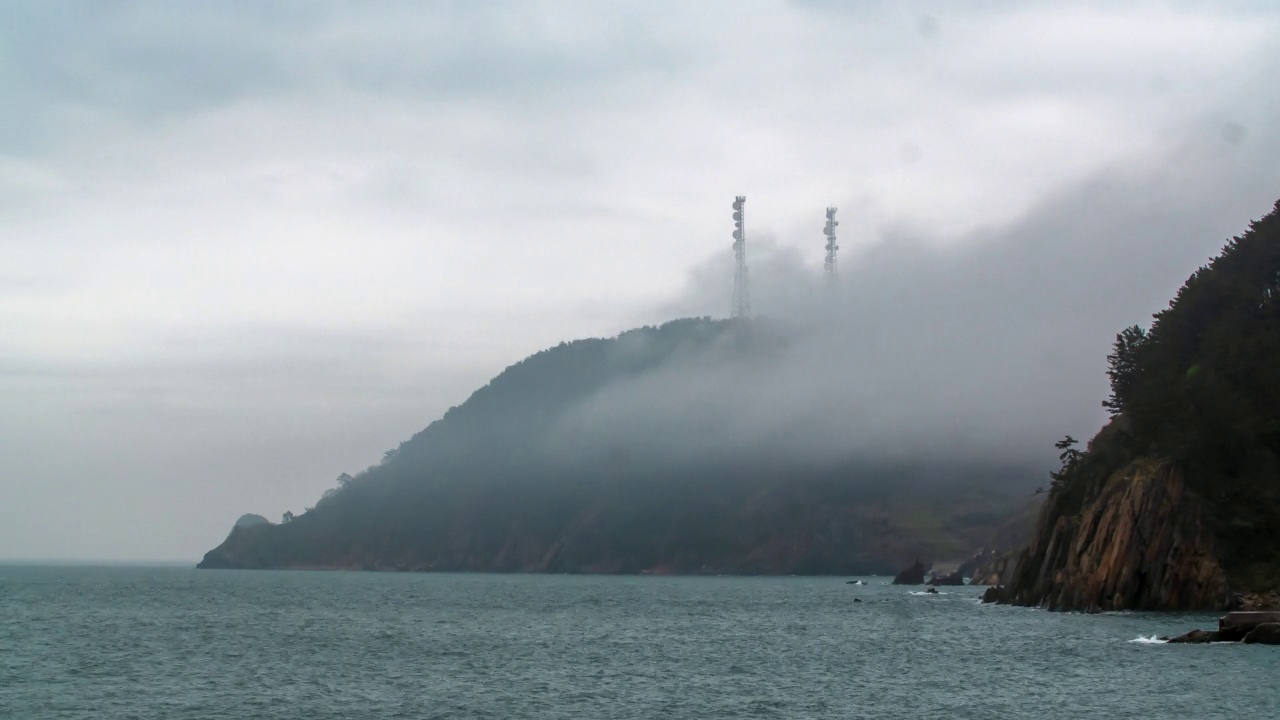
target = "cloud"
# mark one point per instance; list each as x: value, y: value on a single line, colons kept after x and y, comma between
x: 178, y: 184
x: 986, y: 350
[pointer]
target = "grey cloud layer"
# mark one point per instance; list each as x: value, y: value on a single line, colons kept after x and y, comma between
x: 213, y: 215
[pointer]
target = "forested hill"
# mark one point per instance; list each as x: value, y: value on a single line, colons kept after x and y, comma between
x: 1176, y: 503
x: 624, y: 455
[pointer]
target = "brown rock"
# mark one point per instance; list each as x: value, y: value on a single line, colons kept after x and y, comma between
x: 1138, y: 542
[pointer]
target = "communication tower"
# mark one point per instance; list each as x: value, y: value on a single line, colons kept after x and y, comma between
x: 832, y: 247
x: 741, y: 294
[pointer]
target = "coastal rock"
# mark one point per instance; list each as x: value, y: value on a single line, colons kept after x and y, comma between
x: 1264, y: 634
x: 912, y: 575
x: 1138, y: 543
x: 1196, y: 636
x: 995, y: 570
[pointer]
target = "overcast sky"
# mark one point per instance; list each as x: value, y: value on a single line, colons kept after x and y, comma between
x: 248, y: 246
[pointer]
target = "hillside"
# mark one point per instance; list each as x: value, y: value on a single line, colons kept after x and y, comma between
x: 1175, y: 504
x: 522, y: 478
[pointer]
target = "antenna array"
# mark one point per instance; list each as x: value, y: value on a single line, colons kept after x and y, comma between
x: 832, y: 247
x: 741, y: 293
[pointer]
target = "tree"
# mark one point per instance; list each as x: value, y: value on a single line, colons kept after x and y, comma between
x: 1070, y: 458
x: 287, y: 517
x: 1122, y: 368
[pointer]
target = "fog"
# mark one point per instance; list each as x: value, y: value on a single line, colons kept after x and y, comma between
x: 986, y: 350
x: 246, y: 247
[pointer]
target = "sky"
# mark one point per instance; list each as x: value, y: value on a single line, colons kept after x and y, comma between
x: 248, y: 246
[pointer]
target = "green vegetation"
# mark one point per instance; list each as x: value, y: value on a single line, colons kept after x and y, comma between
x: 1201, y: 388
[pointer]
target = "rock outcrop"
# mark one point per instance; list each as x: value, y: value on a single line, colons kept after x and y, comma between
x: 912, y: 575
x: 1139, y: 543
x: 995, y: 571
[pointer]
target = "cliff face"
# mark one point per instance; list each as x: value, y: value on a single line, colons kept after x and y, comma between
x: 1175, y: 504
x: 1140, y: 543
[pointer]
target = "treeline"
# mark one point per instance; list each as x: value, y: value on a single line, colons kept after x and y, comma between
x: 1201, y: 387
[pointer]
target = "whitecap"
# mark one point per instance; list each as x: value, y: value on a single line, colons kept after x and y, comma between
x: 1153, y: 640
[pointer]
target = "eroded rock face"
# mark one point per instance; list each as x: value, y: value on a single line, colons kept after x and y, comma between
x: 994, y: 571
x: 1139, y: 543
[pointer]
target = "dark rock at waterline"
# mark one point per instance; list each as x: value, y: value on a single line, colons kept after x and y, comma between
x: 1264, y: 634
x: 932, y: 591
x: 857, y: 599
x: 1196, y: 636
x: 913, y: 575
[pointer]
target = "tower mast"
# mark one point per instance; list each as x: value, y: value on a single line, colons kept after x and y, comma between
x: 830, y: 231
x: 741, y: 293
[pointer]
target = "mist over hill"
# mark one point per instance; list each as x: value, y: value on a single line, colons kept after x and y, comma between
x: 661, y: 450
x: 909, y: 410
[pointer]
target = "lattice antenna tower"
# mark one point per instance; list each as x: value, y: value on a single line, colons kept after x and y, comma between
x: 741, y: 293
x: 830, y: 231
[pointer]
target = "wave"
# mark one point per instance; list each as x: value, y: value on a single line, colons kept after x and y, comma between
x: 1153, y: 640
x: 923, y: 592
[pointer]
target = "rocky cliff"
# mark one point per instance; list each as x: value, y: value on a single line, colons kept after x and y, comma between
x: 1139, y: 543
x: 1175, y: 504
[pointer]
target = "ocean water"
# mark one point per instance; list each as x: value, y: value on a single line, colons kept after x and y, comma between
x: 107, y: 643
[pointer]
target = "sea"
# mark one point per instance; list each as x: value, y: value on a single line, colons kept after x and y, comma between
x: 172, y: 642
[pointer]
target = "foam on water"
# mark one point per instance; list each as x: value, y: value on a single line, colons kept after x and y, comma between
x: 1153, y: 640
